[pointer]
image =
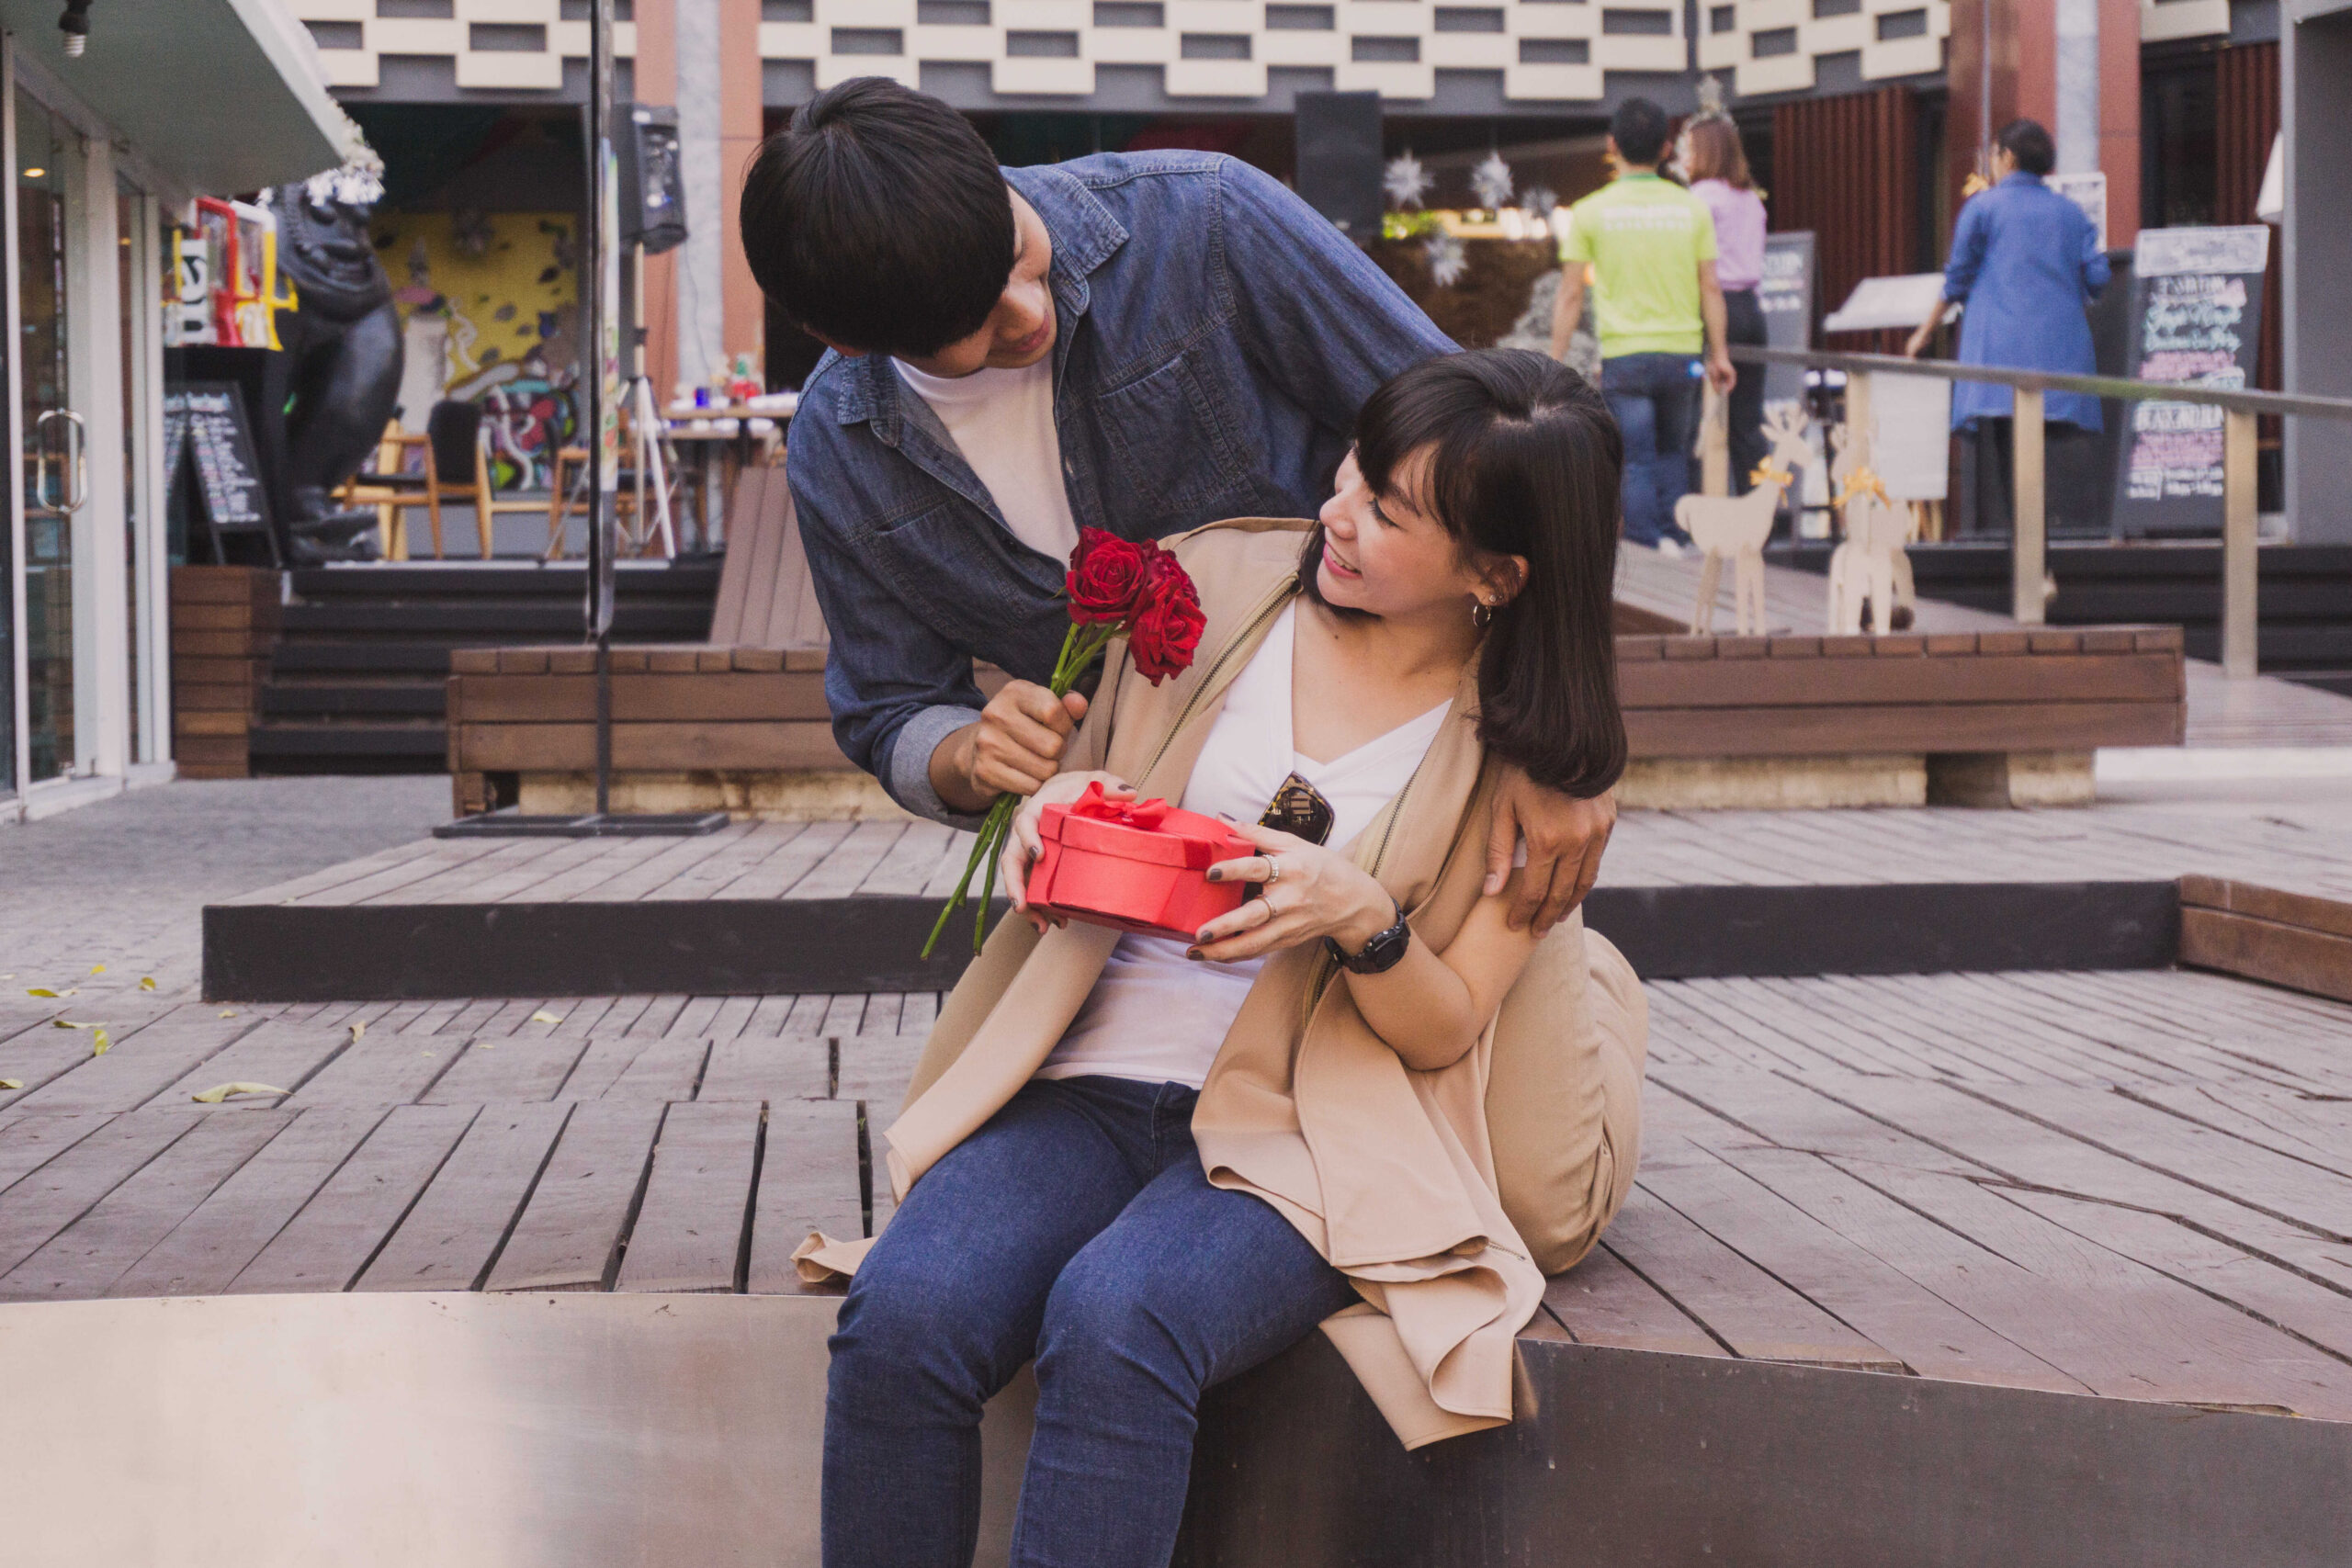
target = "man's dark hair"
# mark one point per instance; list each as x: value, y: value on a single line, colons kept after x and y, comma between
x: 2030, y: 144
x: 878, y: 218
x: 1525, y: 460
x: 1640, y: 128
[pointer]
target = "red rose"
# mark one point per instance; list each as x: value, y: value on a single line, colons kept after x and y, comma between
x: 1107, y: 576
x: 1166, y: 634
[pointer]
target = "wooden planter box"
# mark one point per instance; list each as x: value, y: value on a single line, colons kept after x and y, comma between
x: 224, y: 621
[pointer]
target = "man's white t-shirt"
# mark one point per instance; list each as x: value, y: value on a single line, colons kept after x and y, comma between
x: 1159, y: 1017
x: 1002, y: 421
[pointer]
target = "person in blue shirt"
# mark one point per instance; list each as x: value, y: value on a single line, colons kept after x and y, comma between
x: 1141, y: 342
x: 2025, y: 264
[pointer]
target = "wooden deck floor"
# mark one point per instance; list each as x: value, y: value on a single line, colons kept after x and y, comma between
x: 2132, y: 1184
x: 2302, y: 848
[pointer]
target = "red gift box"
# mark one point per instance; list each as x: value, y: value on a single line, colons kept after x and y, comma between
x: 1139, y: 865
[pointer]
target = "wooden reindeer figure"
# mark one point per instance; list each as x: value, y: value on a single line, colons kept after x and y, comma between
x: 1736, y: 527
x: 1867, y: 569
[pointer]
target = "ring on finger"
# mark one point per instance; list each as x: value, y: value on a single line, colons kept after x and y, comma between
x: 1273, y: 870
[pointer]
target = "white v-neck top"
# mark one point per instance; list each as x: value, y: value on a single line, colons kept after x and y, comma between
x: 1002, y: 421
x: 1158, y: 1016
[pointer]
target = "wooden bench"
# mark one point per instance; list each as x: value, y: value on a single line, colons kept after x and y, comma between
x: 224, y: 621
x: 738, y: 722
x: 1974, y: 717
x: 2296, y: 940
x: 1961, y: 718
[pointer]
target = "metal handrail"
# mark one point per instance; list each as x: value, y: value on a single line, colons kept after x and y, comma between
x: 2029, y: 564
x: 2051, y: 381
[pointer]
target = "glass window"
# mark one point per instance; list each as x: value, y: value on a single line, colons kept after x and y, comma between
x: 44, y: 441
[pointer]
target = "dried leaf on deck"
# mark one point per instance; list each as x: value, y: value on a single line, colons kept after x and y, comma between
x: 100, y: 1043
x: 12, y: 1083
x: 69, y: 1023
x: 543, y: 1016
x: 219, y: 1092
x: 52, y: 996
x: 97, y: 968
x: 146, y: 982
x: 356, y: 1031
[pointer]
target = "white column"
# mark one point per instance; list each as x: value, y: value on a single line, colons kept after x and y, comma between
x: 702, y: 309
x: 2077, y: 126
x: 94, y: 368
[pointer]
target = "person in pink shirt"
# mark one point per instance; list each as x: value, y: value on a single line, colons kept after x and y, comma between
x: 1716, y: 165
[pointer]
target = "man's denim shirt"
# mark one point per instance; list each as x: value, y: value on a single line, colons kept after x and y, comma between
x: 1216, y: 339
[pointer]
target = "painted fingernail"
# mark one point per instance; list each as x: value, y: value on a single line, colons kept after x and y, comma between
x: 1192, y: 953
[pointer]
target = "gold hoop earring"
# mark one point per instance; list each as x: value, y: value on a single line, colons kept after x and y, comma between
x: 1482, y: 614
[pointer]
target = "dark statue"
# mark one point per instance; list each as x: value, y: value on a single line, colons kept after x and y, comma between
x: 343, y: 352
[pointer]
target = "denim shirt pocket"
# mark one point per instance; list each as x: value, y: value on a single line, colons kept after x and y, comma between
x: 1170, y: 439
x: 955, y: 566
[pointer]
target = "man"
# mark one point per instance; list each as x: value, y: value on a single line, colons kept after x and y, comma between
x: 1138, y: 342
x: 1651, y: 246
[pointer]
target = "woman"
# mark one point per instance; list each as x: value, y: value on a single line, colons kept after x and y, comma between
x: 1717, y: 165
x: 2025, y: 263
x: 1153, y: 1164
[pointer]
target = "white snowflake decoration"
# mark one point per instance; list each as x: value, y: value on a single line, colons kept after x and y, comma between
x: 1538, y: 202
x: 1405, y: 181
x: 1447, y: 260
x: 359, y: 183
x: 1490, y: 182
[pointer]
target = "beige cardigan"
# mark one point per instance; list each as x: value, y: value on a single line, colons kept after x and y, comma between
x: 1392, y: 1174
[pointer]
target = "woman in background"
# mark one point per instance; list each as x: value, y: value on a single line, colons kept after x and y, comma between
x: 1717, y: 166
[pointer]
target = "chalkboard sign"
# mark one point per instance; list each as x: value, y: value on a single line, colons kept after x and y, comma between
x: 2196, y: 320
x: 205, y: 421
x: 1785, y: 297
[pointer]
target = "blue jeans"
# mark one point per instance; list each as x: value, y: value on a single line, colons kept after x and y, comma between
x: 1075, y: 1227
x: 1656, y: 399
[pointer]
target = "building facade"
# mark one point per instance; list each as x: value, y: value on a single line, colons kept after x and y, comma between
x: 103, y: 145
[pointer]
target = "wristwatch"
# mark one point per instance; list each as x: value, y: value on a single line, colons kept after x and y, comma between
x: 1382, y: 953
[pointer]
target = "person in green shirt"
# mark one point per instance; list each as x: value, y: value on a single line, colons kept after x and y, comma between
x: 1659, y: 313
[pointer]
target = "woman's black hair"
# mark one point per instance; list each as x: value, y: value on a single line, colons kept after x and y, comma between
x: 878, y: 218
x: 2030, y: 144
x: 1523, y: 461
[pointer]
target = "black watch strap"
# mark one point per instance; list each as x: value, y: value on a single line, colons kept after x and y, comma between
x: 1383, y: 953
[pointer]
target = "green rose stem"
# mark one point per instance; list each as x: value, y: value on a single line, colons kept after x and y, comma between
x: 1080, y: 644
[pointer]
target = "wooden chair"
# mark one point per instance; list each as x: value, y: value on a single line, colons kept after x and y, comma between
x: 454, y: 446
x: 392, y: 490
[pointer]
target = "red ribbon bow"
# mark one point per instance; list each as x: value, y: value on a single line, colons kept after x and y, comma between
x: 1144, y: 813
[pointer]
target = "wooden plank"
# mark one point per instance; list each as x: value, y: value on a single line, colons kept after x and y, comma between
x: 2318, y: 961
x: 2316, y: 1131
x: 839, y: 873
x: 689, y: 1232
x: 67, y: 1186
x: 783, y: 870
x: 284, y: 1055
x: 569, y: 1235
x: 452, y: 1236
x: 509, y: 1071
x: 876, y: 1066
x: 136, y: 1068
x: 780, y: 745
x: 746, y: 1069
x: 380, y: 1069
x: 245, y: 1214
x: 2303, y: 1307
x: 1930, y: 1336
x: 1809, y: 682
x: 1759, y: 1317
x: 715, y: 877
x: 1601, y: 1302
x: 2173, y: 1343
x: 1801, y: 1116
x: 2198, y: 1154
x: 330, y: 1242
x: 704, y: 697
x: 95, y: 1250
x: 631, y: 1069
x: 694, y: 1020
x: 32, y: 1142
x: 1839, y: 731
x: 809, y: 1182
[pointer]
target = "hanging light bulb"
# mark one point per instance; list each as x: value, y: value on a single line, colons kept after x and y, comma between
x: 76, y: 26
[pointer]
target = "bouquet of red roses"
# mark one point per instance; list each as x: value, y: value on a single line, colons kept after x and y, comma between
x: 1116, y: 589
